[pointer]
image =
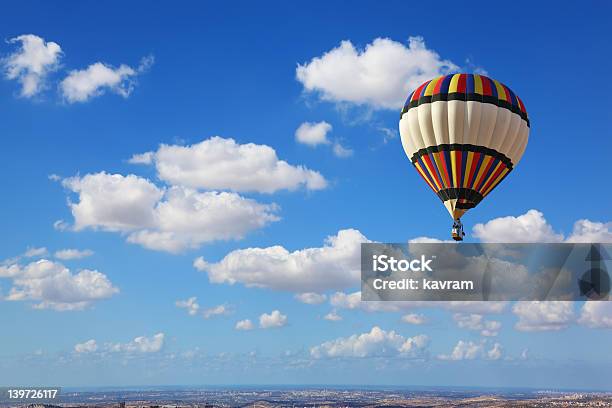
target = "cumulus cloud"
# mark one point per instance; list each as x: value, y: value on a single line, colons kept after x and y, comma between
x: 533, y: 227
x: 333, y: 316
x: 529, y: 227
x: 591, y: 231
x: 341, y: 151
x: 70, y: 253
x: 375, y: 343
x: 32, y: 63
x: 488, y: 328
x: 219, y: 310
x: 171, y: 219
x: 272, y: 320
x: 311, y: 298
x: 543, y: 316
x: 55, y: 287
x: 33, y: 252
x: 379, y: 76
x: 87, y: 347
x: 113, y: 202
x: 142, y: 158
x: 414, y: 318
x: 335, y: 265
x: 495, y: 353
x: 85, y: 84
x: 223, y: 164
x: 468, y: 350
x: 244, y: 325
x: 596, y: 315
x: 191, y: 305
x: 140, y: 344
x: 313, y: 134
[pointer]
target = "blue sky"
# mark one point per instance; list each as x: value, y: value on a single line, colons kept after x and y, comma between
x: 130, y: 78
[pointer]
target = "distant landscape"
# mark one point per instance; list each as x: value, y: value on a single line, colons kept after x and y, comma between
x: 165, y: 397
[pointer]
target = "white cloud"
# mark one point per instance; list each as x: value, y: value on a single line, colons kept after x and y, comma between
x: 464, y: 350
x: 31, y: 64
x: 35, y: 252
x: 142, y: 158
x: 60, y: 225
x: 69, y: 253
x: 219, y: 310
x: 333, y: 316
x: 533, y: 227
x: 244, y: 325
x: 428, y: 240
x: 223, y: 164
x: 171, y: 219
x: 55, y: 287
x: 140, y: 344
x: 596, y: 315
x: 113, y: 202
x: 495, y: 353
x: 488, y: 328
x: 341, y: 151
x: 468, y: 350
x: 376, y: 343
x: 313, y: 134
x: 93, y: 81
x: 380, y: 76
x: 272, y: 320
x: 311, y: 298
x: 590, y: 231
x: 191, y: 305
x: 87, y: 347
x: 335, y: 265
x: 542, y: 316
x: 529, y: 227
x: 414, y: 318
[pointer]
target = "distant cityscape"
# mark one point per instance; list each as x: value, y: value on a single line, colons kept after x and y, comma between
x: 319, y: 397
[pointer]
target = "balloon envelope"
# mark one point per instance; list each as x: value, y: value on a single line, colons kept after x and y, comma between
x: 464, y: 133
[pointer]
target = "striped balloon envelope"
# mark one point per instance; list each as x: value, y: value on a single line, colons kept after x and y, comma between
x: 464, y: 133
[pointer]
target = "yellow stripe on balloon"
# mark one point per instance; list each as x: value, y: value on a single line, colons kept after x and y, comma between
x: 478, y: 84
x: 454, y: 83
x: 496, y: 182
x: 433, y: 177
x: 484, y: 182
x: 454, y: 168
x: 431, y: 86
x: 440, y: 168
x: 420, y: 170
x: 501, y: 93
x: 483, y: 166
x: 468, y: 166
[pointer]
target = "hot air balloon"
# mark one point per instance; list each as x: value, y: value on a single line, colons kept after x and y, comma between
x: 464, y: 133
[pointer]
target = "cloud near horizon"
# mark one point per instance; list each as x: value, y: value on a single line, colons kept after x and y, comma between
x: 375, y: 343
